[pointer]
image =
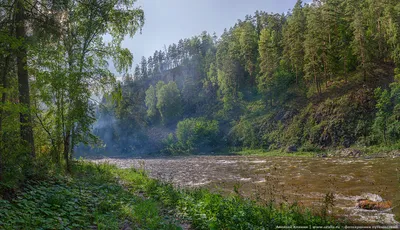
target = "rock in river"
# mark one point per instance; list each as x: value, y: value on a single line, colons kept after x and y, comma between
x: 373, y: 202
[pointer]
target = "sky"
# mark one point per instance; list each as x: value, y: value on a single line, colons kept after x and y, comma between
x: 168, y: 21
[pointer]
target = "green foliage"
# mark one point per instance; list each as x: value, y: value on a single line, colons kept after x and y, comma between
x: 247, y: 37
x: 91, y: 198
x: 52, y: 73
x: 269, y: 50
x: 169, y: 102
x: 386, y: 125
x: 243, y: 134
x: 340, y: 122
x: 383, y: 107
x: 196, y: 133
x: 293, y: 38
x: 151, y: 102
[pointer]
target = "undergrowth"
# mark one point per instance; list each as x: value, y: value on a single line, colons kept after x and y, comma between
x: 90, y: 199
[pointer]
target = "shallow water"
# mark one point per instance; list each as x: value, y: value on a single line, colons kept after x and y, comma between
x: 287, y: 179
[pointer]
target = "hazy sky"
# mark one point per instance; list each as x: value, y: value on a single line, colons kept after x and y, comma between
x: 167, y: 21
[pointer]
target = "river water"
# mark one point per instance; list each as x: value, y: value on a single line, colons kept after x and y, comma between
x: 303, y: 180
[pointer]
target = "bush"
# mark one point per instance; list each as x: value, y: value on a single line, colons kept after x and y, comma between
x: 197, y: 133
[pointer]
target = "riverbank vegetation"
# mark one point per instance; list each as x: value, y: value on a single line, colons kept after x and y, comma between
x: 106, y: 197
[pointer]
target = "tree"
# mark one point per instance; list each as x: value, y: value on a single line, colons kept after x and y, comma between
x: 137, y: 73
x: 151, y: 102
x: 168, y: 101
x: 313, y: 45
x: 392, y: 29
x: 150, y: 66
x: 230, y: 71
x: 76, y: 66
x: 23, y: 77
x: 360, y: 42
x: 269, y: 61
x: 156, y: 64
x: 293, y: 39
x: 143, y: 69
x: 376, y: 20
x: 7, y: 39
x: 384, y: 112
x: 248, y: 39
x: 161, y: 59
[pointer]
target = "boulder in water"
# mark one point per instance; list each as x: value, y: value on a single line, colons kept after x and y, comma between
x: 373, y: 205
x: 373, y: 202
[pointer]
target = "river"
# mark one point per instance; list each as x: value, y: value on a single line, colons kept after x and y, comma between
x: 305, y: 180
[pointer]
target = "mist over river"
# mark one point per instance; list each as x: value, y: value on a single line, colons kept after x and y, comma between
x: 305, y: 180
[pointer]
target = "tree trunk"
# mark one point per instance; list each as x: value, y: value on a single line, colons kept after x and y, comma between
x: 325, y: 65
x: 345, y: 68
x: 67, y: 139
x: 23, y: 81
x: 316, y: 79
x: 72, y: 145
x: 4, y: 82
x: 363, y: 60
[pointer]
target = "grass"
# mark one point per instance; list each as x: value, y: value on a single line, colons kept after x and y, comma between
x: 368, y: 151
x: 274, y: 153
x: 106, y: 197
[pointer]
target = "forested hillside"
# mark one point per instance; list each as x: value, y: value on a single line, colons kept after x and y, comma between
x: 323, y: 75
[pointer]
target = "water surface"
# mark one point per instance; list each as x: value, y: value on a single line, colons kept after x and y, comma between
x: 304, y: 180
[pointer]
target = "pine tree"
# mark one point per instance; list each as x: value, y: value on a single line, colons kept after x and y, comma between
x: 143, y: 68
x: 269, y: 61
x: 313, y: 47
x: 293, y: 34
x: 247, y: 36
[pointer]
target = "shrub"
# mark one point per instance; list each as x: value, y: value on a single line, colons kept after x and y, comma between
x: 197, y: 133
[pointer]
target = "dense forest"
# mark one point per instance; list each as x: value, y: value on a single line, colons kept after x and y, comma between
x: 321, y: 76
